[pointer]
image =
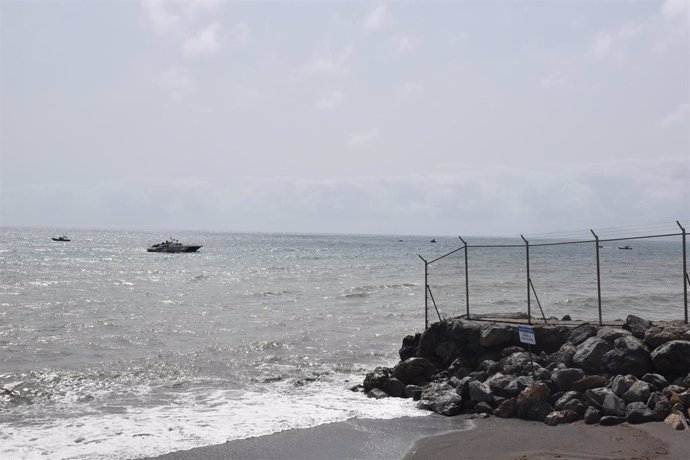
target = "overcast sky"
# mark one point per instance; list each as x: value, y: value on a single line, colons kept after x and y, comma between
x: 417, y: 117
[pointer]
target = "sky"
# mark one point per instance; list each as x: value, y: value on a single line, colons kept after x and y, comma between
x: 416, y: 117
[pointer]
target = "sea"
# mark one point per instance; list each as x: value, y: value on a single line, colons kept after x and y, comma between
x: 108, y: 351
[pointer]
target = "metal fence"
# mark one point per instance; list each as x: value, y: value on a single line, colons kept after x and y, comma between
x: 593, y: 279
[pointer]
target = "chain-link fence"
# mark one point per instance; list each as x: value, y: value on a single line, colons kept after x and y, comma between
x: 595, y: 279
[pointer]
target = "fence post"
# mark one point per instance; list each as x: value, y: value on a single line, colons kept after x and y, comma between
x: 467, y: 281
x: 686, y: 280
x: 426, y: 293
x: 596, y: 241
x: 529, y: 308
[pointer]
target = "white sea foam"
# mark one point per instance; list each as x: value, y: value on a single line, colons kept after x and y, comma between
x: 199, y: 417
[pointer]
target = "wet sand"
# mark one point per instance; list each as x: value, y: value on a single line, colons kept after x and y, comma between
x: 445, y: 438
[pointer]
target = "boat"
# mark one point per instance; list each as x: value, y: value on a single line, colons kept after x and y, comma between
x: 173, y: 245
x: 624, y: 247
x: 433, y: 240
x: 61, y: 238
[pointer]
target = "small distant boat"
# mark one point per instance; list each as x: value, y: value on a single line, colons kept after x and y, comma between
x: 625, y: 247
x: 433, y: 240
x: 61, y: 238
x: 172, y: 245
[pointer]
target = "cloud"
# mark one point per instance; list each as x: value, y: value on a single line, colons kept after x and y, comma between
x: 676, y: 9
x: 680, y: 116
x: 240, y: 34
x: 325, y: 61
x: 410, y: 88
x: 163, y: 19
x: 403, y: 44
x: 203, y: 43
x: 330, y: 101
x: 606, y: 42
x: 177, y: 80
x: 377, y: 19
x: 363, y: 137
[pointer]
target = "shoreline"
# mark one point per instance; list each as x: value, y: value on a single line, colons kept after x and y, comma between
x: 450, y: 438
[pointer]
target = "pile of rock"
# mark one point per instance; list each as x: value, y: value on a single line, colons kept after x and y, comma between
x: 637, y: 373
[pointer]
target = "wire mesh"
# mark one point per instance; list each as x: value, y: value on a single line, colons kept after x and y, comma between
x: 639, y: 275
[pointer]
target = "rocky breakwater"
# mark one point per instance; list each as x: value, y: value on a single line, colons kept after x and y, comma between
x: 637, y: 373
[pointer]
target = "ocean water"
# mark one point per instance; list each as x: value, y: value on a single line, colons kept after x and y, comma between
x: 107, y: 351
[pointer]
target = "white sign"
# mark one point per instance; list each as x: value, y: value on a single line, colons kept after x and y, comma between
x: 527, y: 335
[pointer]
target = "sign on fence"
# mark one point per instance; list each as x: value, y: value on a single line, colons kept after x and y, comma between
x: 527, y: 335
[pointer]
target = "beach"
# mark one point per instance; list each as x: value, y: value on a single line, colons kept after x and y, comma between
x: 446, y: 438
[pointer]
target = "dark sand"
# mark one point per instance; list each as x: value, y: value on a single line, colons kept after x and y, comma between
x: 438, y: 438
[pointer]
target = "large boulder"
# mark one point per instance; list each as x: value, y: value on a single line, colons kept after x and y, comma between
x: 508, y: 386
x: 656, y: 336
x: 480, y: 392
x: 638, y: 326
x: 414, y: 371
x: 630, y: 356
x: 564, y: 354
x: 409, y: 346
x: 590, y: 381
x: 589, y: 354
x: 445, y: 341
x: 394, y: 387
x: 613, y: 405
x: 673, y: 357
x: 376, y: 378
x: 518, y: 363
x: 565, y: 378
x: 638, y: 392
x: 657, y: 381
x: 610, y: 334
x: 567, y: 398
x: 496, y: 335
x: 533, y: 402
x: 581, y: 333
x: 506, y: 408
x: 446, y: 402
x: 622, y: 383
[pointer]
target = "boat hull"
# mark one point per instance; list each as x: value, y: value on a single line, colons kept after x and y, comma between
x: 175, y: 249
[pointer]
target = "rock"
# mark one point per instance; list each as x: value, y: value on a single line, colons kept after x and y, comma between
x: 510, y: 350
x: 610, y: 420
x: 680, y: 398
x: 659, y: 335
x: 480, y: 392
x: 566, y: 318
x: 657, y: 381
x: 532, y: 402
x: 448, y: 403
x: 376, y: 393
x: 576, y: 406
x: 414, y: 371
x: 581, y: 333
x: 610, y: 334
x: 622, y: 383
x: 686, y: 382
x: 507, y: 408
x: 596, y: 396
x: 507, y: 386
x: 409, y: 346
x: 637, y: 326
x: 592, y: 415
x: 638, y: 412
x: 566, y: 398
x: 483, y: 408
x: 517, y: 363
x: 564, y: 354
x: 560, y: 417
x: 589, y: 354
x: 673, y: 356
x: 445, y: 341
x: 376, y: 378
x: 670, y: 390
x: 589, y: 382
x: 565, y: 378
x: 661, y: 410
x: 676, y: 421
x: 489, y: 366
x: 414, y: 392
x: 613, y: 405
x: 495, y: 335
x: 550, y: 338
x: 630, y: 356
x: 638, y: 392
x: 394, y: 387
